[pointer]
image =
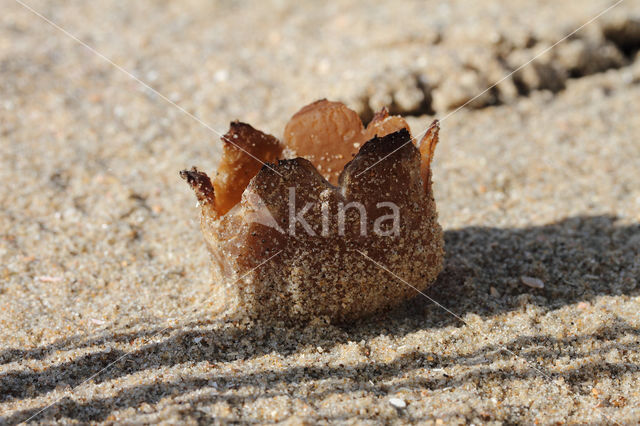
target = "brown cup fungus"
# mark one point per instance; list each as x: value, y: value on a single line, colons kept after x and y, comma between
x: 294, y: 239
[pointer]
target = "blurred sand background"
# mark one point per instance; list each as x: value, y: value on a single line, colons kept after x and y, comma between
x: 101, y: 252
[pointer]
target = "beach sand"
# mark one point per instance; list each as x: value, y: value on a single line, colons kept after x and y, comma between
x: 105, y: 290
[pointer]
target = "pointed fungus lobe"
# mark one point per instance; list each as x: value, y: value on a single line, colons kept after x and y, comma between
x: 427, y: 148
x: 201, y: 185
x: 319, y: 270
x: 245, y: 149
x: 382, y: 124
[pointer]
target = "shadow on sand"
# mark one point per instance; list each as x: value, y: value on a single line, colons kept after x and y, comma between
x: 578, y: 259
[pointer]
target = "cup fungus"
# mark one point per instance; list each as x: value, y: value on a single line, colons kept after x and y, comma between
x: 288, y: 239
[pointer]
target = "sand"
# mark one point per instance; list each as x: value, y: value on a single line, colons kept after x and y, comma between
x: 105, y: 289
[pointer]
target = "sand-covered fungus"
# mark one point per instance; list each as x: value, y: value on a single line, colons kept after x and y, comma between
x: 294, y: 238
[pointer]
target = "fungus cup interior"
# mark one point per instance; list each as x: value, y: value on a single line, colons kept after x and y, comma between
x: 328, y: 134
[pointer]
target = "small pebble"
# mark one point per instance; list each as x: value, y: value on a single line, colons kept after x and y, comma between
x: 582, y: 306
x: 494, y: 292
x: 397, y: 402
x: 532, y: 282
x: 49, y: 279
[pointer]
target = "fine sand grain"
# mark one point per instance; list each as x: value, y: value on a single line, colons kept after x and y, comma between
x: 104, y: 277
